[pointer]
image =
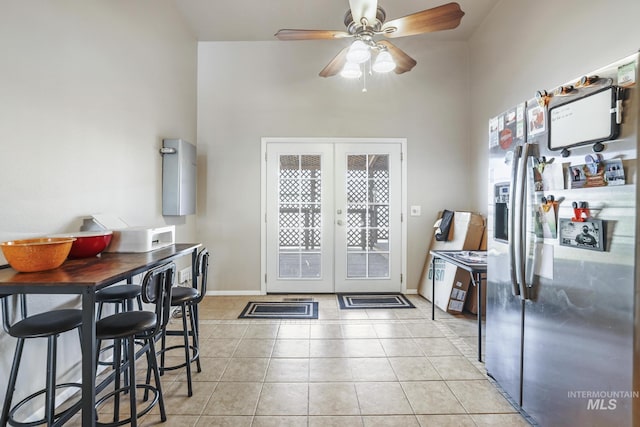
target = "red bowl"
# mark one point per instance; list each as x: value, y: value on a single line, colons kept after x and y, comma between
x: 88, y: 243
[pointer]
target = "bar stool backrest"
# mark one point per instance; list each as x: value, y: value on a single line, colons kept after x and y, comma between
x: 156, y: 289
x: 202, y: 269
x: 9, y: 316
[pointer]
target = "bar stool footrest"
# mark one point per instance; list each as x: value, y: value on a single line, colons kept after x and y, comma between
x: 12, y: 421
x: 125, y: 390
x: 195, y: 356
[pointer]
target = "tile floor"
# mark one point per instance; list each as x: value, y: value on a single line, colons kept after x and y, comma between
x: 348, y: 368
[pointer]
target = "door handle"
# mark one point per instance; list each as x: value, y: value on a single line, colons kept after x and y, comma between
x: 339, y: 222
x: 521, y: 231
x: 512, y: 215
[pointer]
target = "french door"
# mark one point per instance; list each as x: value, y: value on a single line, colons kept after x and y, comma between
x: 333, y: 216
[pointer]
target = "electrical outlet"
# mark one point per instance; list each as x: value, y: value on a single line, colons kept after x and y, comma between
x: 184, y: 275
x: 415, y: 210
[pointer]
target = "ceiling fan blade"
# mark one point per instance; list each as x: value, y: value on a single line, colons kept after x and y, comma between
x: 286, y: 34
x: 403, y: 61
x: 445, y: 17
x: 336, y: 64
x: 364, y: 9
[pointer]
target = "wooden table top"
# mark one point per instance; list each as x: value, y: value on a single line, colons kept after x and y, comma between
x: 99, y: 271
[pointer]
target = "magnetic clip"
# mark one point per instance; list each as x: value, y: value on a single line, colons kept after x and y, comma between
x: 543, y: 97
x: 548, y: 202
x: 580, y: 211
x: 541, y: 163
x: 563, y: 90
x: 587, y: 81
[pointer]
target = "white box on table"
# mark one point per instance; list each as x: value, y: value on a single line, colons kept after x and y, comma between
x: 141, y: 239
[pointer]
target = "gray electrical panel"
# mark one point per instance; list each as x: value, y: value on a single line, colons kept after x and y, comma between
x: 178, y: 177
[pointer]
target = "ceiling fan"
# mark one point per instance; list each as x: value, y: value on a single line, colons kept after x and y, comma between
x: 364, y: 21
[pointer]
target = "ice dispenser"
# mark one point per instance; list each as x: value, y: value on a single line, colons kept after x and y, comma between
x: 501, y: 218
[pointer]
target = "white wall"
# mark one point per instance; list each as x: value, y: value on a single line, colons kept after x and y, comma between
x: 249, y: 90
x: 524, y: 46
x: 88, y: 89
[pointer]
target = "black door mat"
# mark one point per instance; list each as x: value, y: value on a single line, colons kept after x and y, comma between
x: 280, y: 310
x: 381, y: 300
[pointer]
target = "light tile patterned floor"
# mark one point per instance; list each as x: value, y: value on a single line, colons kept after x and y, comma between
x: 348, y: 368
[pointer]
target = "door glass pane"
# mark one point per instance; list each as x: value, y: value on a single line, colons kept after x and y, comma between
x: 299, y: 217
x: 356, y: 265
x: 367, y: 185
x: 378, y: 265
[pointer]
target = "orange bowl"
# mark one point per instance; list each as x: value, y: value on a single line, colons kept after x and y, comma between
x: 87, y: 243
x: 29, y: 255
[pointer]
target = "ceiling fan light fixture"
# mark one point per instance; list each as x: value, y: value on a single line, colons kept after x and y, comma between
x: 359, y: 52
x: 384, y: 63
x: 351, y: 70
x: 365, y: 22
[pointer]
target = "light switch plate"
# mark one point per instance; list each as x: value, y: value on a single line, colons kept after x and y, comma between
x: 415, y: 210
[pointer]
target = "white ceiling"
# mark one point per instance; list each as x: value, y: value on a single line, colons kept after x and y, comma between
x: 258, y: 20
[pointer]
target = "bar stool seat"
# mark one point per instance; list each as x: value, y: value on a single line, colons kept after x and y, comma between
x: 43, y: 325
x: 183, y: 294
x: 116, y: 293
x: 115, y: 327
x: 121, y: 296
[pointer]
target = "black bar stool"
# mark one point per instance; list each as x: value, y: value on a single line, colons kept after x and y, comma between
x: 188, y: 298
x: 43, y: 325
x: 127, y: 327
x: 122, y: 297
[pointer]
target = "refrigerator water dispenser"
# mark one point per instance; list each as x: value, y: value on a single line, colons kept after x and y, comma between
x: 501, y: 218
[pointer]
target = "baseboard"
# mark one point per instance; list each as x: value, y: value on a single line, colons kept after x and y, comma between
x: 254, y: 293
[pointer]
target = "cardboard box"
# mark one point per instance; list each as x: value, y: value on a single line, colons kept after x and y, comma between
x: 459, y: 291
x: 471, y: 304
x: 465, y: 234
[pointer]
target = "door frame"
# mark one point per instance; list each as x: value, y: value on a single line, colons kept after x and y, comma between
x: 328, y: 140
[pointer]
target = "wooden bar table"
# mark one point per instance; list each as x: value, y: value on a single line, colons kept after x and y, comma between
x: 84, y: 277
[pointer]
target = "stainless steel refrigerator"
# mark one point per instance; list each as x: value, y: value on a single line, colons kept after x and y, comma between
x: 563, y: 310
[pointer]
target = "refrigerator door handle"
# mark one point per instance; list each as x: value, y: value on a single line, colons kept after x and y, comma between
x: 520, y: 226
x: 511, y: 231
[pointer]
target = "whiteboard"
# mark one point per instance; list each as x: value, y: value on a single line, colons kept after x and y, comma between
x: 585, y: 120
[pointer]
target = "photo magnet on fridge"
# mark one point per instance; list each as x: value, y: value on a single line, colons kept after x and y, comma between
x: 597, y: 173
x: 589, y: 234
